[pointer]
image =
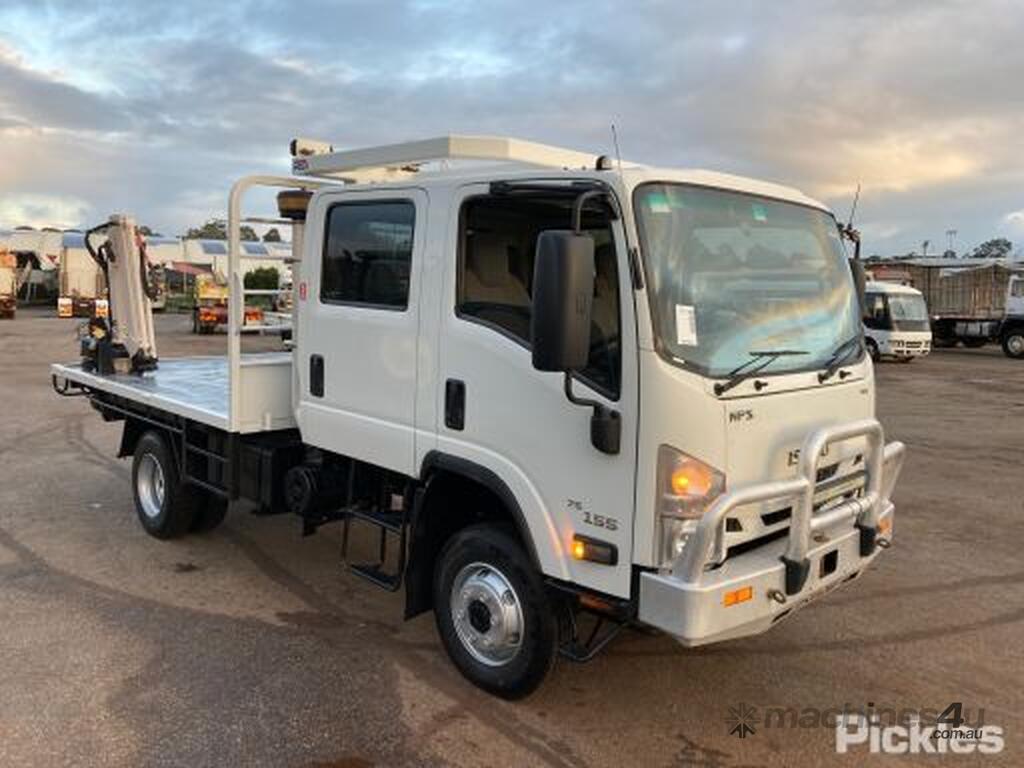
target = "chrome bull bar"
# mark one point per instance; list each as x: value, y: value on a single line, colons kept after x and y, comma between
x: 706, y: 543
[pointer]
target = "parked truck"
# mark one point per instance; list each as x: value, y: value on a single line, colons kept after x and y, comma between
x: 8, y: 284
x: 570, y: 396
x: 896, y: 324
x: 82, y: 287
x: 971, y: 301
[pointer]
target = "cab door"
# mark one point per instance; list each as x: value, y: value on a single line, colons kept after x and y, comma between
x: 515, y: 421
x: 359, y: 307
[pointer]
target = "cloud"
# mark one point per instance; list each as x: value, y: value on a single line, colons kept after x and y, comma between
x: 1015, y: 219
x: 43, y: 210
x: 155, y: 108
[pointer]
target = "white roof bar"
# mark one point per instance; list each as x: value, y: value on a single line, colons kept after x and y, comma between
x: 398, y: 157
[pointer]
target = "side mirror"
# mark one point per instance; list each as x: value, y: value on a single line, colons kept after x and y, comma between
x: 860, y: 280
x: 563, y: 292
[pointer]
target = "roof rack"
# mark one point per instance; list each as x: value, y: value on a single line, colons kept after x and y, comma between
x: 393, y: 161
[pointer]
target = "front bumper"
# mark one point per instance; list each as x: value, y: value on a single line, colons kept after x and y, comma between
x: 823, y: 550
x: 907, y: 349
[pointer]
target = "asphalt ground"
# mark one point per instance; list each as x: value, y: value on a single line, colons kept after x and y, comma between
x: 251, y: 646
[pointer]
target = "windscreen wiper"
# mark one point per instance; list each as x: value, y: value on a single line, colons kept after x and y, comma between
x: 839, y: 356
x: 743, y: 371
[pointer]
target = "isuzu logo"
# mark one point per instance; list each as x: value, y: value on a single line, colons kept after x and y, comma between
x: 793, y: 458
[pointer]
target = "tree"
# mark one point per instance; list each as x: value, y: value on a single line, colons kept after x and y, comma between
x: 216, y: 229
x: 996, y: 248
x: 262, y: 278
x: 147, y: 231
x: 272, y: 236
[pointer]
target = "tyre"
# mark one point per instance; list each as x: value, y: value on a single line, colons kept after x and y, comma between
x: 166, y: 507
x: 210, y: 514
x: 1013, y: 344
x: 872, y: 349
x: 493, y: 612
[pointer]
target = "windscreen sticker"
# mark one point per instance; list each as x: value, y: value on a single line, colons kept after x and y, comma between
x: 658, y: 203
x: 686, y: 326
x: 760, y: 214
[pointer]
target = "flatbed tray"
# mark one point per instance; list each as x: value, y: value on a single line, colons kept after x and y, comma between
x: 193, y: 387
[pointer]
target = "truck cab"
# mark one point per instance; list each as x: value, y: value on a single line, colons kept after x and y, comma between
x: 570, y: 388
x: 896, y: 322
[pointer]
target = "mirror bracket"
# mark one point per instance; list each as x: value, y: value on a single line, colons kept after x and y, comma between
x: 605, y: 423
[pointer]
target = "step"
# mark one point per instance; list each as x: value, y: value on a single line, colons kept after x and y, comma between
x: 374, y: 573
x: 390, y: 521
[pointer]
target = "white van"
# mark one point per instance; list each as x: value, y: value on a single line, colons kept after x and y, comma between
x: 896, y: 322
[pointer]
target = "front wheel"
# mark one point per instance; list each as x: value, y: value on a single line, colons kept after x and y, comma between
x: 1013, y: 344
x: 493, y: 613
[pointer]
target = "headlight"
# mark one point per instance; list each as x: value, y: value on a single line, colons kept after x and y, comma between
x: 686, y: 487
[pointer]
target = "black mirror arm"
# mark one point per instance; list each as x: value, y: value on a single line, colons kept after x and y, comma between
x: 605, y: 423
x: 572, y: 398
x: 577, y: 207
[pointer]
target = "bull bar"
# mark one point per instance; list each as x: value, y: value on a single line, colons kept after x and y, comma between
x: 696, y: 582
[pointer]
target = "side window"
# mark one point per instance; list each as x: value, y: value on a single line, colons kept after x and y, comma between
x: 367, y: 253
x: 1017, y: 289
x: 874, y: 307
x: 495, y: 279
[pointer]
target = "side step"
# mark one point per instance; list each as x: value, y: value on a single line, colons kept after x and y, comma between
x: 389, y: 524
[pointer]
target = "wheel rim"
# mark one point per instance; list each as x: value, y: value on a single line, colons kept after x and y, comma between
x: 487, y: 614
x: 149, y: 482
x: 1015, y: 344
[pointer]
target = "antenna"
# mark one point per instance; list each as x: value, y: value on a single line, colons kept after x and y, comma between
x: 848, y: 232
x: 618, y: 155
x: 853, y: 208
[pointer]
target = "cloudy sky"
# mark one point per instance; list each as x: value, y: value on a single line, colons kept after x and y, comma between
x: 154, y: 108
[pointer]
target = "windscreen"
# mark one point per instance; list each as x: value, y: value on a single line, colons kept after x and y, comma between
x: 908, y: 311
x: 731, y: 274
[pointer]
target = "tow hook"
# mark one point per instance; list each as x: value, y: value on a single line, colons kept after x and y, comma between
x: 777, y: 596
x: 883, y: 543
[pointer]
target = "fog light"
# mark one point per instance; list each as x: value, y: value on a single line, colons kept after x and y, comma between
x: 736, y: 596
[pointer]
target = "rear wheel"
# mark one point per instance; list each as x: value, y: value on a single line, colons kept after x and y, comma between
x: 1013, y: 344
x: 210, y: 514
x: 493, y: 613
x: 166, y: 507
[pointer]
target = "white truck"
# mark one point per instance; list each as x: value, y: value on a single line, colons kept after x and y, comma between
x: 896, y: 322
x: 566, y: 390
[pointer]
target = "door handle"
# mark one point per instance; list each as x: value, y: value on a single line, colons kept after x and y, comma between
x: 316, y: 375
x: 455, y: 404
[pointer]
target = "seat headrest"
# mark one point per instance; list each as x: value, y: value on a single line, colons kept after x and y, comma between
x: 487, y: 258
